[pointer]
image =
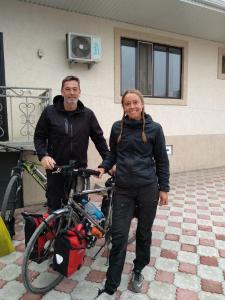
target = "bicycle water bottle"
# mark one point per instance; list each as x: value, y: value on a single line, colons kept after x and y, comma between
x: 92, y: 210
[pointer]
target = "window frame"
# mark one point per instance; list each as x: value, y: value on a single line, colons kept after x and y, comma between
x: 156, y: 39
x: 221, y: 53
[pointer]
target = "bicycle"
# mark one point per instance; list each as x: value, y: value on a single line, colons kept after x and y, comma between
x: 13, y: 190
x: 60, y: 221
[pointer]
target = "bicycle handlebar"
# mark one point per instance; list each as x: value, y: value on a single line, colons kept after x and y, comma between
x: 76, y: 171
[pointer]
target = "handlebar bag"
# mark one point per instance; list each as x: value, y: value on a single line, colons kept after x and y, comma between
x: 69, y: 250
x: 32, y: 221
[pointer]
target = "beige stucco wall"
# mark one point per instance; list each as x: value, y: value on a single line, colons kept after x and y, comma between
x: 196, y: 152
x: 28, y: 27
x: 196, y: 130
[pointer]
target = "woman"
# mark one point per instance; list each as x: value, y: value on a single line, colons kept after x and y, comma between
x: 137, y: 147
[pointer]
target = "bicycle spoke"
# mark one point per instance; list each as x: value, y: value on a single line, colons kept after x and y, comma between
x: 38, y: 274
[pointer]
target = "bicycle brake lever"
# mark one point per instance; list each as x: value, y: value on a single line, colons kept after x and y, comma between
x: 58, y: 170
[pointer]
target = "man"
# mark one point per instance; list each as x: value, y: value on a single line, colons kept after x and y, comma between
x: 62, y: 134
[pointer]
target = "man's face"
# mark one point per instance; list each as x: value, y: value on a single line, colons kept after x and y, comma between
x: 71, y: 92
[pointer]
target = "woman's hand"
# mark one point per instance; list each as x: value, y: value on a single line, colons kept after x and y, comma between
x: 112, y: 171
x: 163, y: 198
x: 101, y: 172
x: 48, y: 162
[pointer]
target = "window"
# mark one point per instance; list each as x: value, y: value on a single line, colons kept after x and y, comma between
x: 155, y: 66
x: 153, y: 69
x: 221, y: 64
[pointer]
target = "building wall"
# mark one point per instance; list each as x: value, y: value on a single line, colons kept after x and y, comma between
x: 192, y: 129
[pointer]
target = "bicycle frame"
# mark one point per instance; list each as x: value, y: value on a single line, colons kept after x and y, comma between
x: 85, y: 214
x: 73, y: 206
x: 33, y: 170
x: 29, y: 166
x: 82, y: 211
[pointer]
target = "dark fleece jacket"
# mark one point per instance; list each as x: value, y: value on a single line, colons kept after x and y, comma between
x: 64, y: 135
x: 138, y: 163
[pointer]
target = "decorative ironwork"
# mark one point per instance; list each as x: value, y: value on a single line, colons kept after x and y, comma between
x: 27, y: 118
x: 25, y: 106
x: 2, y: 131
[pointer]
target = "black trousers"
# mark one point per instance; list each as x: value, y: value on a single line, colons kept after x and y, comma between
x: 124, y: 203
x: 56, y: 189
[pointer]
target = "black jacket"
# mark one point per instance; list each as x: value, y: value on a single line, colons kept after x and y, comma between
x: 64, y: 135
x: 138, y: 163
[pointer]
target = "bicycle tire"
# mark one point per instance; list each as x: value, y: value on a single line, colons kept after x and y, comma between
x: 46, y: 276
x: 11, y: 198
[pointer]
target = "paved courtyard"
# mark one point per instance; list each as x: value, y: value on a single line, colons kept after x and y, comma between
x: 187, y: 254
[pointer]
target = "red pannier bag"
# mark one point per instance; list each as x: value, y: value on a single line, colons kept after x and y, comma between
x: 32, y: 221
x: 69, y: 250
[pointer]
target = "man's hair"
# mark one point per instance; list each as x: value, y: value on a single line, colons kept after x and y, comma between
x: 70, y: 78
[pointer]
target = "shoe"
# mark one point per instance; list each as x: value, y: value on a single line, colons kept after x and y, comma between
x: 137, y: 280
x: 103, y: 295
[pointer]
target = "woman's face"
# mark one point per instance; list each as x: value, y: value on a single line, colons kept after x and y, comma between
x: 133, y: 106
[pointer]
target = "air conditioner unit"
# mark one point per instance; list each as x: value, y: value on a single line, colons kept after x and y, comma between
x: 83, y: 48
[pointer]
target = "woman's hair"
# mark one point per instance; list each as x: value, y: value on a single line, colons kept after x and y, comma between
x: 71, y: 78
x: 143, y: 135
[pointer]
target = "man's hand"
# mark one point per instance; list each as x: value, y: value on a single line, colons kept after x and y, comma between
x: 48, y: 162
x: 101, y: 172
x: 163, y: 198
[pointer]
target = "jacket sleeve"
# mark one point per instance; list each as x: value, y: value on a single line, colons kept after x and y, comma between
x: 161, y: 160
x: 110, y: 160
x: 41, y: 136
x: 97, y: 137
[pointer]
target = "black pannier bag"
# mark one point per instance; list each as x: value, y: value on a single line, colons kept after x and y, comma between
x: 32, y: 221
x: 10, y: 225
x: 69, y: 250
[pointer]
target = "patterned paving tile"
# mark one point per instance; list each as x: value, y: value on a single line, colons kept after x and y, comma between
x: 164, y: 276
x: 210, y: 273
x: 187, y: 281
x: 183, y: 294
x: 187, y: 253
x: 209, y: 260
x: 211, y: 286
x: 188, y: 257
x: 162, y: 291
x: 188, y: 268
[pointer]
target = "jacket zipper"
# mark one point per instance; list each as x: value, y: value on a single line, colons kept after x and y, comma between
x: 69, y: 131
x: 66, y: 125
x: 71, y: 134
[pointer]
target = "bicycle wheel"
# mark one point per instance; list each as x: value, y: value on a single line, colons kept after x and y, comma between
x: 39, y: 277
x: 10, y: 201
x: 132, y: 231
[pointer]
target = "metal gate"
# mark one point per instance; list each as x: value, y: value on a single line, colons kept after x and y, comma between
x: 20, y: 108
x: 23, y: 108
